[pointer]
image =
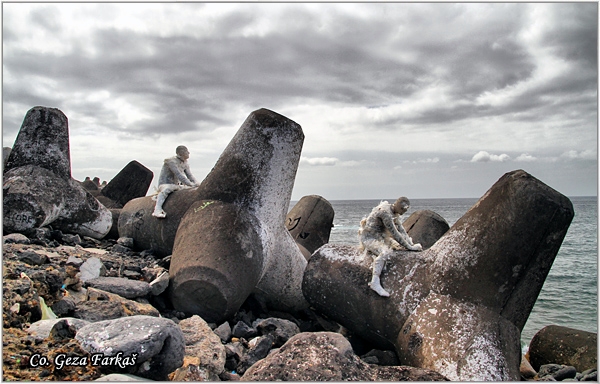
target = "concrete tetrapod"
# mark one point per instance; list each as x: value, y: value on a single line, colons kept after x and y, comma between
x: 232, y: 239
x: 38, y: 189
x: 310, y: 222
x: 458, y: 307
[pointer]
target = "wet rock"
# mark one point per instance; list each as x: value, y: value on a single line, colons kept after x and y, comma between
x: 459, y: 306
x: 157, y: 342
x: 129, y: 289
x: 557, y: 372
x: 281, y: 329
x: 326, y: 356
x: 562, y: 345
x: 310, y: 222
x: 202, y: 343
x: 224, y: 332
x: 425, y: 227
x: 92, y: 268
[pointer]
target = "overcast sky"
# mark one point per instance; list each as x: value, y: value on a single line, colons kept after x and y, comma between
x: 422, y: 100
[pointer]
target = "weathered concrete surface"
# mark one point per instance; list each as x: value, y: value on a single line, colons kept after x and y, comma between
x: 562, y: 345
x: 489, y: 266
x: 240, y: 206
x: 131, y: 182
x: 217, y: 260
x: 310, y: 222
x: 35, y: 197
x: 43, y: 141
x: 38, y: 189
x: 425, y: 227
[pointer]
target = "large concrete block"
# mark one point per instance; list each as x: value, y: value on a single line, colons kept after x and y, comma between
x: 43, y: 141
x: 425, y: 227
x: 131, y: 182
x: 490, y: 266
x: 249, y: 186
x: 310, y: 222
x: 38, y: 189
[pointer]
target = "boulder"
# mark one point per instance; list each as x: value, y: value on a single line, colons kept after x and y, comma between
x: 41, y: 328
x: 562, y: 345
x: 131, y: 182
x: 459, y: 306
x: 37, y: 186
x: 155, y: 345
x: 281, y: 329
x: 425, y: 227
x: 310, y: 222
x: 201, y: 342
x: 327, y: 356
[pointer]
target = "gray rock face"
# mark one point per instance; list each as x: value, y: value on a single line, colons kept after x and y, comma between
x: 203, y: 343
x: 157, y: 344
x: 37, y: 186
x: 459, y: 306
x: 310, y: 222
x: 327, y: 356
x: 129, y: 289
x: 562, y: 345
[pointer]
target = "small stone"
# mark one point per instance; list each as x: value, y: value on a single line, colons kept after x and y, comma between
x: 33, y: 258
x: 160, y: 284
x: 118, y: 248
x: 75, y: 261
x: 241, y: 329
x: 567, y: 372
x: 92, y: 269
x: 223, y: 331
x: 125, y: 241
x: 71, y: 239
x: 129, y: 289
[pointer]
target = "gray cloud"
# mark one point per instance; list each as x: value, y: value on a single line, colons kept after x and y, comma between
x: 429, y: 73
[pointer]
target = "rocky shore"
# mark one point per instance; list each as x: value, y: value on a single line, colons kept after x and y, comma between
x: 76, y: 279
x: 91, y: 285
x: 226, y: 287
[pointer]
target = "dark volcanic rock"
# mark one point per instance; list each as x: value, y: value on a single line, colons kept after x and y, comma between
x: 326, y: 356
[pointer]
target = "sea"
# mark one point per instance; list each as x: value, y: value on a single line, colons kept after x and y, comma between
x: 569, y: 296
